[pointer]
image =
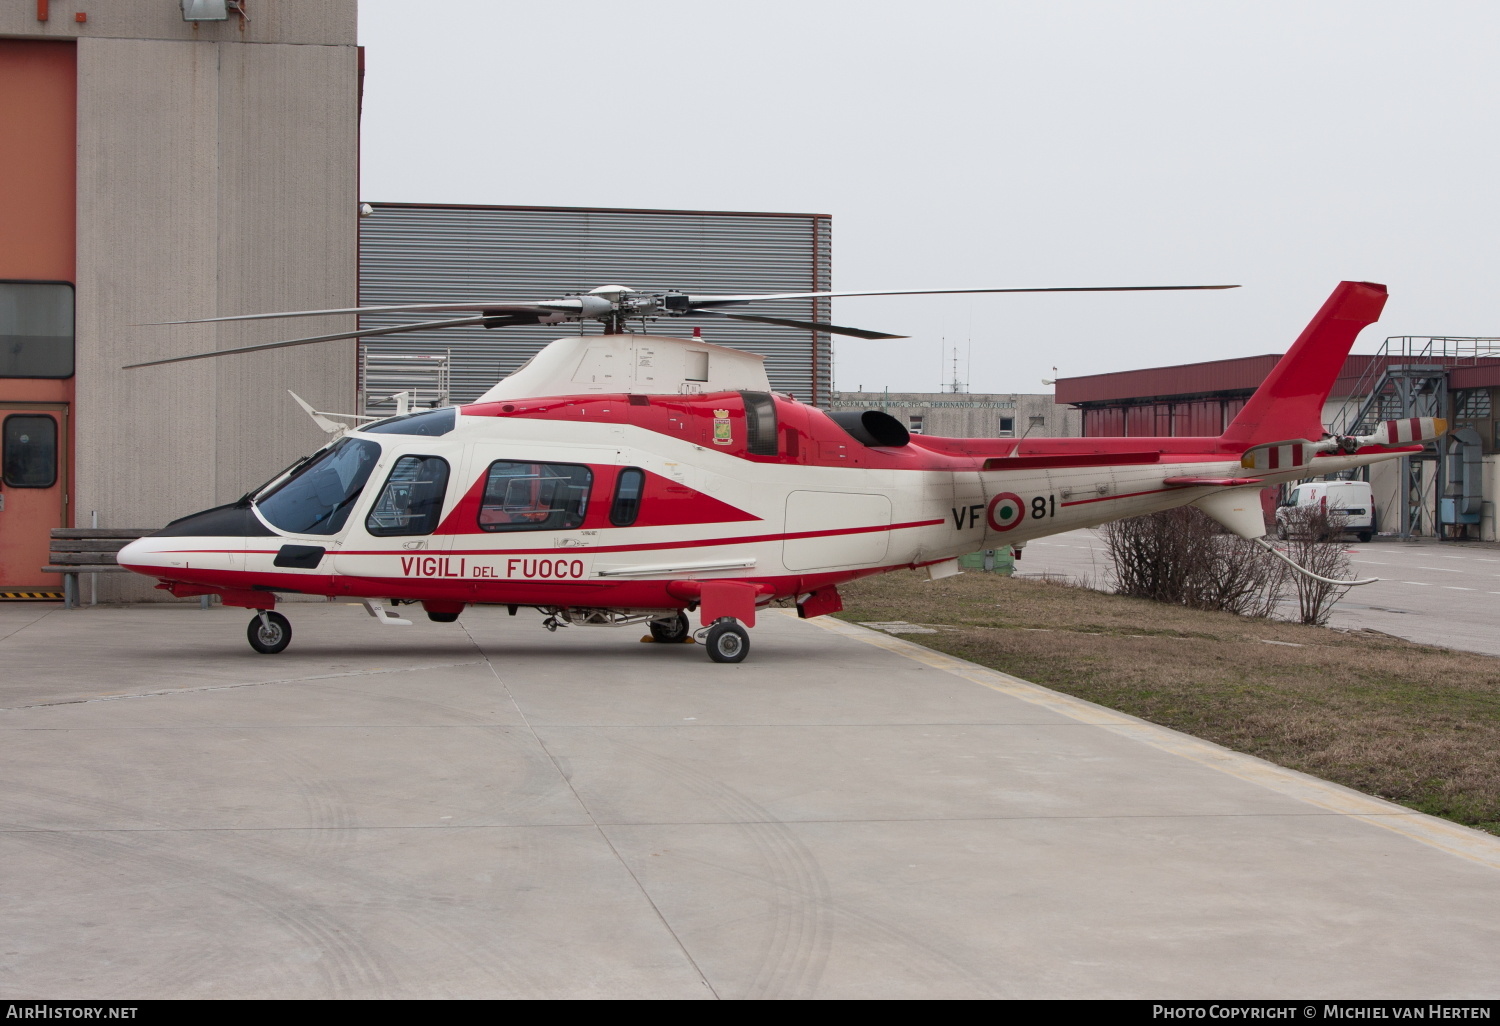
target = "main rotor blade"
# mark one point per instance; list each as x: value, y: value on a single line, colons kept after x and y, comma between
x: 696, y: 301
x: 315, y: 338
x: 576, y: 305
x: 551, y: 305
x: 832, y: 329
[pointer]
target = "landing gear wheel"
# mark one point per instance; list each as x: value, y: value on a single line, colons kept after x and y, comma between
x: 727, y: 642
x: 671, y: 631
x: 443, y: 617
x: 270, y: 636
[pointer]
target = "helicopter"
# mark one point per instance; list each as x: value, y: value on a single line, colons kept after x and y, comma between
x: 628, y: 478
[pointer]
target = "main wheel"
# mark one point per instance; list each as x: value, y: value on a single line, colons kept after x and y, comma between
x: 670, y: 631
x: 727, y: 642
x: 272, y: 636
x: 442, y: 617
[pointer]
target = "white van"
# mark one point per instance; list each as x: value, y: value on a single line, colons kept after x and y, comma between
x: 1353, y: 499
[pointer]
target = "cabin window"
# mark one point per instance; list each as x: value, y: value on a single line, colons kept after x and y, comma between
x: 30, y: 451
x: 627, y: 504
x: 318, y: 496
x: 427, y: 422
x: 36, y: 330
x: 534, y: 496
x: 412, y: 500
x: 760, y: 423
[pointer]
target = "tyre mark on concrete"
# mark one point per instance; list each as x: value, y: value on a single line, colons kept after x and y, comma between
x: 332, y: 816
x: 624, y: 864
x: 903, y: 941
x: 794, y: 951
x: 347, y: 966
x: 424, y: 913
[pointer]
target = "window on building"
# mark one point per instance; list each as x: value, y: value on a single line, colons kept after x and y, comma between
x: 534, y: 496
x: 412, y: 500
x: 36, y: 330
x: 29, y: 451
x: 1472, y: 405
x: 914, y: 423
x: 1007, y: 427
x: 1038, y: 423
x: 627, y: 504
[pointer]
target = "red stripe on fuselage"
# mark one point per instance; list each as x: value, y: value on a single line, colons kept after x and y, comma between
x: 552, y: 550
x: 644, y: 594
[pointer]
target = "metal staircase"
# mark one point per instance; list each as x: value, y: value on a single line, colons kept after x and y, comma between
x: 1408, y: 377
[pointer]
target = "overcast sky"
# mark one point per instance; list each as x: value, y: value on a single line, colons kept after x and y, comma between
x: 1282, y: 146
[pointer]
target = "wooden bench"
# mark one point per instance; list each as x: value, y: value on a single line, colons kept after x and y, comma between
x: 88, y: 550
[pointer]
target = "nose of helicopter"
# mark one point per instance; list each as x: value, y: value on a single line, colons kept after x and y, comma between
x: 142, y: 553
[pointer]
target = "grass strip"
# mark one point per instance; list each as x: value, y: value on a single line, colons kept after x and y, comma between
x: 1409, y: 723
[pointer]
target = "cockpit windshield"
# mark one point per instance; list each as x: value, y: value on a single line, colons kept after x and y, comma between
x: 318, y: 497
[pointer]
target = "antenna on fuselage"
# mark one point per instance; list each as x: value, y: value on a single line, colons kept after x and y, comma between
x: 321, y: 417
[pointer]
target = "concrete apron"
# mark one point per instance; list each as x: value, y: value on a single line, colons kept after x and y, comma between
x: 483, y: 809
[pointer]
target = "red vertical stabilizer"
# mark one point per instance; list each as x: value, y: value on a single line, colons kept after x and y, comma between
x: 1289, y: 403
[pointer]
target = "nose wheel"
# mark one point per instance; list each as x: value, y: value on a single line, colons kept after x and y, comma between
x: 269, y: 632
x: 727, y: 642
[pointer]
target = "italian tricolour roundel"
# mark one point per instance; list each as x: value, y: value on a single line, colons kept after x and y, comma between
x: 1006, y: 511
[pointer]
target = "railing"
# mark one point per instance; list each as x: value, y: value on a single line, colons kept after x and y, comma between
x: 1407, y: 360
x: 1409, y: 377
x: 424, y: 379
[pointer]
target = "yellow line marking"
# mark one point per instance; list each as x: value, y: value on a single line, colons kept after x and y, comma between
x: 1452, y: 838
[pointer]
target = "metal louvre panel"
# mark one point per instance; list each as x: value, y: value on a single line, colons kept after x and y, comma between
x: 452, y: 254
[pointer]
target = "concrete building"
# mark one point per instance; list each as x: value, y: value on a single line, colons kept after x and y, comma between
x: 970, y: 415
x: 159, y: 169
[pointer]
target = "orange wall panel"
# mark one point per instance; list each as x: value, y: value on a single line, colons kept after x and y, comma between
x: 38, y: 154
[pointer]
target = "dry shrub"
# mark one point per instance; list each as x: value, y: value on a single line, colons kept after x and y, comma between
x: 1183, y: 557
x: 1313, y: 542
